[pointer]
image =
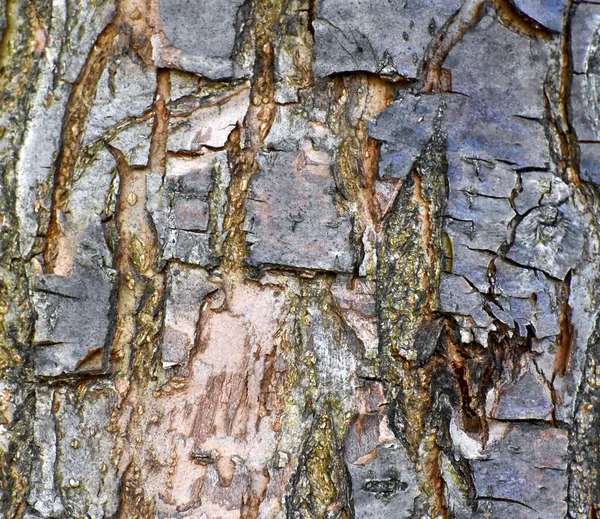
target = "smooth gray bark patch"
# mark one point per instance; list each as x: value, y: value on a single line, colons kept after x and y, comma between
x: 585, y: 102
x: 528, y: 398
x: 367, y: 36
x: 125, y: 90
x: 549, y: 238
x: 526, y: 468
x: 74, y: 313
x: 208, y: 124
x: 204, y: 32
x: 292, y: 218
x: 500, y: 69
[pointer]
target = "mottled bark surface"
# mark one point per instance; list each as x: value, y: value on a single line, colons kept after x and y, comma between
x: 299, y: 259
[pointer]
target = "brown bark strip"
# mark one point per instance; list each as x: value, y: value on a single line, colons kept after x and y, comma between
x: 142, y: 19
x: 73, y: 132
x: 565, y: 339
x: 517, y: 21
x: 244, y: 166
x: 126, y: 300
x: 435, y: 479
x: 257, y: 125
x: 158, y: 145
x: 135, y: 262
x: 138, y: 244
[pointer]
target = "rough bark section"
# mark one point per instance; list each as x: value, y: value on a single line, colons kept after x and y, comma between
x: 583, y: 445
x: 321, y: 486
x: 20, y: 55
x: 410, y: 254
x: 299, y: 259
x: 72, y: 135
x: 579, y: 51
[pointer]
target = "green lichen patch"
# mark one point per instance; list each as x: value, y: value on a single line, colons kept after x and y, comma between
x: 321, y: 485
x: 410, y: 253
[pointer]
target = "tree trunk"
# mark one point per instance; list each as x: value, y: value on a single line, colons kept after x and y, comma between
x: 299, y: 259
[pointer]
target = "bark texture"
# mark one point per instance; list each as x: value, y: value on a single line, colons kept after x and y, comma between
x: 299, y: 259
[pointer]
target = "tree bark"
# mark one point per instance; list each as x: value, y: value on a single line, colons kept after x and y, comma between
x: 299, y: 259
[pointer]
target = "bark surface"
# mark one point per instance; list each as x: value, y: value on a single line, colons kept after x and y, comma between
x: 299, y: 259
